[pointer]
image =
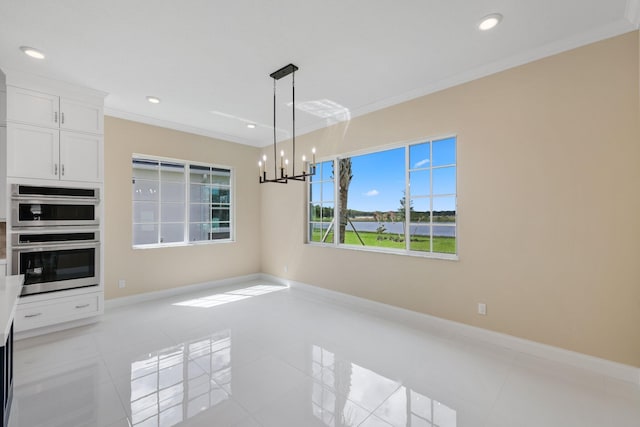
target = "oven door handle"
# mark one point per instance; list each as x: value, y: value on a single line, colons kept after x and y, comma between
x: 55, y: 200
x: 56, y: 247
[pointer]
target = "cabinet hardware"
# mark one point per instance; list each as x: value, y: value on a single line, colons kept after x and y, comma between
x: 62, y: 169
x: 62, y: 117
x: 32, y: 315
x: 55, y: 169
x: 82, y: 306
x: 55, y: 117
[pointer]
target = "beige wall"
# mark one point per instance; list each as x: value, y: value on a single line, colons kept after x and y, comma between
x: 549, y: 195
x: 148, y: 270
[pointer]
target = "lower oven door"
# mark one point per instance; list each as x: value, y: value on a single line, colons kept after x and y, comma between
x: 57, y: 267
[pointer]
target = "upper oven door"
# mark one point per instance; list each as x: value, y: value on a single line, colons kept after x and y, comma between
x: 44, y: 212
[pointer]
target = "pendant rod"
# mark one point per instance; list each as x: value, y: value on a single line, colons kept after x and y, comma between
x: 293, y: 92
x: 275, y: 162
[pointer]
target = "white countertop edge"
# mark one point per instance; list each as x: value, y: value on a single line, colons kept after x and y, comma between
x: 10, y: 288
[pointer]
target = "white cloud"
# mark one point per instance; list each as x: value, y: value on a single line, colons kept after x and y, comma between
x: 372, y: 193
x: 421, y: 163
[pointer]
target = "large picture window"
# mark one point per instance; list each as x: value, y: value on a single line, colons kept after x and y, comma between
x: 176, y: 202
x: 401, y: 199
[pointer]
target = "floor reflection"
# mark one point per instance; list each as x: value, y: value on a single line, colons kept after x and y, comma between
x: 174, y: 384
x: 230, y: 296
x: 391, y: 402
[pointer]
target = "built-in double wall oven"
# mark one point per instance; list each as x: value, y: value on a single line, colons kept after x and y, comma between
x: 55, y: 237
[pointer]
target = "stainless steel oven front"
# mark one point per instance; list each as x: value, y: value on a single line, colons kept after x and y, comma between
x: 53, y: 206
x: 56, y: 259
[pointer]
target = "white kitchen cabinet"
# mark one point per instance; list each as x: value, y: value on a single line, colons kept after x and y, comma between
x: 31, y: 315
x: 44, y: 153
x: 3, y: 173
x: 80, y: 156
x: 46, y: 110
x: 81, y: 117
x: 33, y: 152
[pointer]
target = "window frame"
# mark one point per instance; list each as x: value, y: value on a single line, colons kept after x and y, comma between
x: 187, y: 201
x: 407, y: 169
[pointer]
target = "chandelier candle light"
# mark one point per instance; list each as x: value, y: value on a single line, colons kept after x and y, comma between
x: 284, y: 177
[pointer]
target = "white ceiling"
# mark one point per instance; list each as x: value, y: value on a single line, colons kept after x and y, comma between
x: 209, y: 61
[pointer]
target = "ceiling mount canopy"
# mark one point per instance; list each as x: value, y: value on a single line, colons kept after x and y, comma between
x: 284, y: 177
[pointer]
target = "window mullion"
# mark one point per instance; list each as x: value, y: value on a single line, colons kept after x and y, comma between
x: 407, y: 200
x: 336, y: 203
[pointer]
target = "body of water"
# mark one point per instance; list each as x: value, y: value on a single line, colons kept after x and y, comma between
x: 419, y: 229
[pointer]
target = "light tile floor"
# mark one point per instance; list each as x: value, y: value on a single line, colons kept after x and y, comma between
x: 262, y: 355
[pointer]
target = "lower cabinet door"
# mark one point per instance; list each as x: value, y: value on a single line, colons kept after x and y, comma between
x: 55, y: 311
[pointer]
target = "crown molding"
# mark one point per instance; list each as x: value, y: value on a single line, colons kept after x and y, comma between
x: 617, y: 28
x: 168, y: 124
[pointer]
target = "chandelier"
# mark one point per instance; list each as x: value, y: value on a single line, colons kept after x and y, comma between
x: 308, y: 169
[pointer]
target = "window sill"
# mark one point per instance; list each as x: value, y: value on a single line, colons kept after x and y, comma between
x: 402, y: 252
x: 181, y: 244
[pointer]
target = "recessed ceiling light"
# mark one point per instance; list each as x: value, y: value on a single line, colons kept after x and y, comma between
x: 251, y: 125
x: 32, y: 52
x: 489, y: 21
x: 153, y: 99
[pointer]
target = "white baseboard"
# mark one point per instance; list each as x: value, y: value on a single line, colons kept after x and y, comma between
x: 165, y: 293
x: 417, y: 320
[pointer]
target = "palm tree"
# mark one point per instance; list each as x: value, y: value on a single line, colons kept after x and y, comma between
x: 344, y: 168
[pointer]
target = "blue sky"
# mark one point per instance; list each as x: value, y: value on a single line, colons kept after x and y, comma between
x: 379, y: 181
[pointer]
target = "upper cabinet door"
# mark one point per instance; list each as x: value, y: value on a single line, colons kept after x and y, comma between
x: 80, y: 157
x: 81, y: 117
x: 34, y: 108
x: 33, y: 152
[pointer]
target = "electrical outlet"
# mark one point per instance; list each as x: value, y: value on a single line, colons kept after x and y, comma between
x: 482, y: 308
x: 122, y: 283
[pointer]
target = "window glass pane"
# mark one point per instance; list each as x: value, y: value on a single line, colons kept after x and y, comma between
x: 320, y: 231
x: 172, y: 172
x: 199, y: 193
x: 199, y: 212
x: 326, y: 172
x: 444, y: 181
x: 172, y: 212
x: 419, y: 184
x: 444, y: 224
x: 199, y: 231
x: 327, y: 212
x: 420, y: 210
x: 143, y: 169
x: 145, y: 190
x: 145, y: 234
x: 314, y: 192
x: 315, y: 212
x: 327, y: 191
x: 444, y: 152
x: 220, y: 195
x: 221, y: 214
x: 419, y: 226
x: 172, y: 192
x: 145, y: 212
x: 199, y: 174
x: 376, y: 189
x: 221, y: 176
x: 171, y: 233
x: 419, y: 156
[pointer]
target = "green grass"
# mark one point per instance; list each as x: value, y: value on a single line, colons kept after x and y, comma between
x: 445, y: 245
